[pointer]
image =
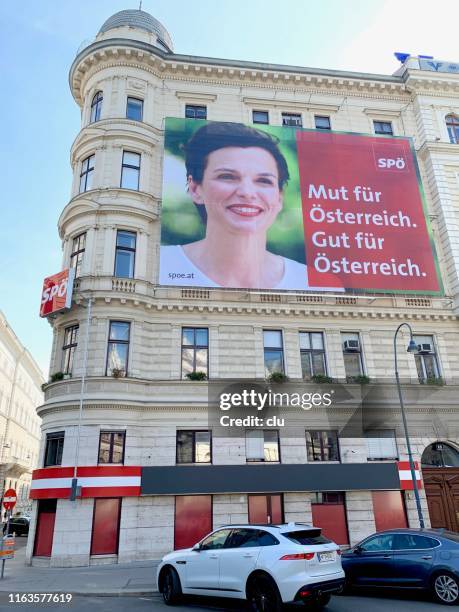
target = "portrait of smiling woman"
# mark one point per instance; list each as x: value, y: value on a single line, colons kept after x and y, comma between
x: 235, y: 176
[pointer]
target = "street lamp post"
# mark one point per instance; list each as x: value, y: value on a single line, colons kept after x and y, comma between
x: 412, y: 348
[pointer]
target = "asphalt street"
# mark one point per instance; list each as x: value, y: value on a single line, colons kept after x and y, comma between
x: 352, y: 603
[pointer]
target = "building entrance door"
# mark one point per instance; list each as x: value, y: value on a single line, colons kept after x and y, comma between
x: 442, y: 491
x: 265, y: 509
x: 45, y: 527
x: 440, y: 472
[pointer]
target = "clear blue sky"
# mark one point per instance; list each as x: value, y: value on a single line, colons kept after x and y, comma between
x: 40, y: 119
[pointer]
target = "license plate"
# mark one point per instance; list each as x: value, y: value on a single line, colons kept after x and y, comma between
x: 327, y: 556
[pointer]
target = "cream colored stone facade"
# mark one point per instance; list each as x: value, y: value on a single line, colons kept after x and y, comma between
x: 153, y: 402
x: 20, y: 395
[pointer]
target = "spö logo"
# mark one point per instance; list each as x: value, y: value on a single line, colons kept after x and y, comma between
x: 390, y: 157
x: 398, y: 163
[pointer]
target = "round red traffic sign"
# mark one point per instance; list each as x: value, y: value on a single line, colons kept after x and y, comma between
x: 9, y: 499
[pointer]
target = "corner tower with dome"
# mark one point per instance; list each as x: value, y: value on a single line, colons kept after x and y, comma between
x: 151, y: 475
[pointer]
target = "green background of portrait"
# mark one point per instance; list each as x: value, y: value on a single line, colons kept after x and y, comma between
x: 180, y: 220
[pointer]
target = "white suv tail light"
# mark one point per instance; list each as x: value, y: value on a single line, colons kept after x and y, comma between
x: 294, y: 557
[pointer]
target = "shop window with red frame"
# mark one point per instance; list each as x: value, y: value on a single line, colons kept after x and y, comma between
x: 389, y: 510
x: 329, y: 513
x: 106, y: 526
x: 193, y: 519
x: 266, y: 509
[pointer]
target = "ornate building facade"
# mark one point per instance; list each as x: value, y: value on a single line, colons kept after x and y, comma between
x: 20, y: 395
x: 142, y: 440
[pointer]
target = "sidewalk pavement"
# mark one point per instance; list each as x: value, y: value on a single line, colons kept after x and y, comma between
x: 135, y: 579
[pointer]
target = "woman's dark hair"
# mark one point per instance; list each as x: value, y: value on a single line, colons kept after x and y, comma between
x: 218, y: 135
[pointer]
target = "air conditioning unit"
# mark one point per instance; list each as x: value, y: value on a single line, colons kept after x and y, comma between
x: 424, y: 348
x: 351, y: 346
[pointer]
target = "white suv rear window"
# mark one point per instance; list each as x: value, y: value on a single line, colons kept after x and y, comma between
x: 307, y: 537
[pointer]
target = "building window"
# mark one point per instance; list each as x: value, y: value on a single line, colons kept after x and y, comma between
x: 262, y: 445
x: 426, y: 358
x: 292, y: 119
x: 118, y: 348
x: 273, y: 351
x: 383, y: 127
x: 452, y: 125
x: 76, y: 256
x: 322, y: 123
x: 96, y: 107
x: 87, y: 173
x: 322, y: 445
x: 134, y: 109
x: 111, y: 446
x: 194, y: 447
x: 68, y: 350
x: 312, y: 353
x: 125, y: 254
x: 54, y: 448
x: 352, y: 355
x: 195, y: 112
x: 130, y: 170
x: 195, y: 350
x: 260, y: 117
x: 381, y: 444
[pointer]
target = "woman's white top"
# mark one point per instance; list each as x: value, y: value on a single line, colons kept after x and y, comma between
x: 177, y: 269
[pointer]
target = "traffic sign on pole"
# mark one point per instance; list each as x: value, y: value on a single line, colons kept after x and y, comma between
x: 9, y: 499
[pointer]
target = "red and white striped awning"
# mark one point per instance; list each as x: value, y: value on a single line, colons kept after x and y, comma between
x: 404, y: 473
x: 97, y: 481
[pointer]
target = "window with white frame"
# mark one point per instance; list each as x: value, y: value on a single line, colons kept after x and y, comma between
x: 383, y: 127
x: 130, y: 170
x: 134, y: 109
x: 292, y: 120
x: 381, y: 444
x: 96, y: 107
x: 273, y: 351
x: 262, y: 445
x: 259, y: 116
x: 322, y: 122
x: 352, y: 354
x: 87, y: 173
x: 452, y: 126
x: 426, y: 358
x: 312, y: 352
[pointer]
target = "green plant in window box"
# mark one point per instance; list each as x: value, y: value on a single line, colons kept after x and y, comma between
x: 277, y: 377
x: 196, y: 376
x: 434, y: 380
x: 358, y: 380
x: 321, y: 379
x: 118, y: 373
x: 56, y: 376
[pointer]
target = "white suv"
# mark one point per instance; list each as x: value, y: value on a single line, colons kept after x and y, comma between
x: 266, y: 564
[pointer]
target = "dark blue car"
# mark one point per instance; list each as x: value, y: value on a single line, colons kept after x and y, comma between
x: 425, y: 559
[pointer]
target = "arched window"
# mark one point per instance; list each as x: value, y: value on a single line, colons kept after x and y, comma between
x: 96, y: 107
x: 452, y: 125
x: 440, y: 454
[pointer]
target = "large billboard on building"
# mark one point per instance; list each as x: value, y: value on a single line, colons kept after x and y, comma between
x: 269, y: 207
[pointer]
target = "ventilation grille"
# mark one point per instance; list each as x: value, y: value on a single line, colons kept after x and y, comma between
x: 196, y: 294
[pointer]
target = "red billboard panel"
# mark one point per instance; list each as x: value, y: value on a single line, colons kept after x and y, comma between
x: 363, y: 214
x: 57, y: 291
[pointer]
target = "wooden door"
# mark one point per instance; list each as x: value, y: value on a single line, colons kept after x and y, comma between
x: 442, y: 492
